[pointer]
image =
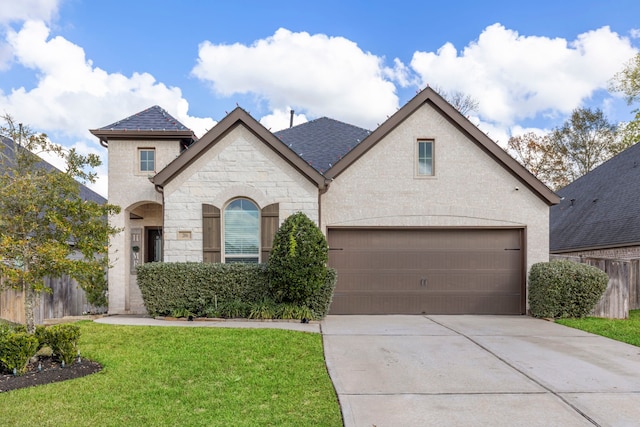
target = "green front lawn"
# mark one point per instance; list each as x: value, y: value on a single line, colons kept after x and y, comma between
x: 172, y: 376
x: 625, y: 330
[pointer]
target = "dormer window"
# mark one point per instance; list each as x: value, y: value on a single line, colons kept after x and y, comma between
x: 147, y: 159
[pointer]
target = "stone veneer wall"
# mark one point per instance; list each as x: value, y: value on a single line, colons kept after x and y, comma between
x: 629, y: 252
x: 128, y: 189
x: 239, y: 165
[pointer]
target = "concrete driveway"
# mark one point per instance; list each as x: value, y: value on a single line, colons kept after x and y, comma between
x: 478, y: 371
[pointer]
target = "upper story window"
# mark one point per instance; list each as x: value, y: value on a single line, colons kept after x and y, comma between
x: 425, y: 158
x: 241, y: 232
x: 147, y: 159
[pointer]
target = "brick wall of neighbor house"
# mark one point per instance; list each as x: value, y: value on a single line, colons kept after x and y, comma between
x: 469, y: 188
x: 239, y: 165
x: 629, y: 252
x: 129, y: 189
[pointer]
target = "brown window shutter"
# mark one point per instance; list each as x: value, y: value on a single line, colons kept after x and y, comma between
x: 211, y: 234
x: 268, y: 227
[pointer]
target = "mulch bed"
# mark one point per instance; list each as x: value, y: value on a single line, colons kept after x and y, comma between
x: 51, y: 372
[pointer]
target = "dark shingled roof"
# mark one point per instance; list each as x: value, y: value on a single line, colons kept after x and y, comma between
x: 600, y: 209
x: 7, y: 148
x: 153, y: 118
x: 322, y: 142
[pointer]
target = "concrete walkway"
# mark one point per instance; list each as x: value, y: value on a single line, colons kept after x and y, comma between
x: 235, y: 323
x: 478, y: 371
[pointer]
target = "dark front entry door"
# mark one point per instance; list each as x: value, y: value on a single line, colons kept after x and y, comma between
x: 153, y: 243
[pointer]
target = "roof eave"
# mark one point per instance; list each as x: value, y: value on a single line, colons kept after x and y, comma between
x: 594, y: 247
x: 106, y: 134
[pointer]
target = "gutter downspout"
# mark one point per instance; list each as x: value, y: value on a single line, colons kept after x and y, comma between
x: 322, y: 190
x: 104, y: 143
x: 160, y: 190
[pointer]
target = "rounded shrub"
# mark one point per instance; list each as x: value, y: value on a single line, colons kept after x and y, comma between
x: 297, y: 264
x: 565, y: 289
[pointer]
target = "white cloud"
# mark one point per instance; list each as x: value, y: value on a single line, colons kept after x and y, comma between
x: 23, y: 10
x: 281, y: 119
x: 319, y: 74
x: 72, y: 95
x: 516, y: 77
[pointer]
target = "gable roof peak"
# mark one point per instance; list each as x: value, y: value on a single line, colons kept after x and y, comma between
x: 436, y: 101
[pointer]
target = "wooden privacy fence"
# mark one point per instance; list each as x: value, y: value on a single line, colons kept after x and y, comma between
x: 623, y: 290
x: 65, y: 299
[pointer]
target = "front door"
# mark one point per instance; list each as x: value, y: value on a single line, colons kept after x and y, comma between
x: 153, y: 243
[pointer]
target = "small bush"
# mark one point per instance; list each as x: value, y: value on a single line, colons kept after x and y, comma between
x: 560, y: 289
x: 293, y: 311
x: 265, y: 309
x: 41, y: 335
x: 297, y: 264
x: 63, y: 340
x: 234, y: 309
x: 16, y: 348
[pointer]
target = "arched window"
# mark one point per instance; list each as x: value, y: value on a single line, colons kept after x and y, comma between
x: 241, y: 231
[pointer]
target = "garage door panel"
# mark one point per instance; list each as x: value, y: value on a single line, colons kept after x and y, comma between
x: 358, y: 280
x: 391, y: 303
x: 427, y: 270
x: 381, y: 260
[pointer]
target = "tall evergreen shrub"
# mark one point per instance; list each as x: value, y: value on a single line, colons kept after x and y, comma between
x: 297, y: 265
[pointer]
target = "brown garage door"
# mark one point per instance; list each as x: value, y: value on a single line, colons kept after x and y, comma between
x: 432, y: 271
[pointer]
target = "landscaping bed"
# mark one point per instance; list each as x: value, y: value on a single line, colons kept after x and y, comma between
x: 47, y: 370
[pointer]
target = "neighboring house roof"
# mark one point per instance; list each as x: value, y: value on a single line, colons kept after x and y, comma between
x: 322, y: 142
x: 600, y: 209
x: 7, y: 149
x: 154, y: 122
x: 236, y: 118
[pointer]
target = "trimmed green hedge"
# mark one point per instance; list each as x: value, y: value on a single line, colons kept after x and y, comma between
x: 168, y: 287
x: 565, y: 289
x: 216, y: 290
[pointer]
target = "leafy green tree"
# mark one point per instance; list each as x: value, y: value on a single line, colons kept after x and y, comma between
x: 297, y: 263
x: 585, y: 140
x: 46, y: 228
x: 536, y: 153
x: 627, y: 81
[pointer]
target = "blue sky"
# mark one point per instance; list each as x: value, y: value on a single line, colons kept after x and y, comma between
x: 70, y: 65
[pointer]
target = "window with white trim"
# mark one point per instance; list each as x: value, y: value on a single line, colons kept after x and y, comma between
x: 147, y: 159
x: 241, y: 221
x: 425, y: 158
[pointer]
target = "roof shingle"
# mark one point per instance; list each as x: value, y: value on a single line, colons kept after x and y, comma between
x: 152, y: 119
x: 322, y: 142
x: 600, y: 209
x: 7, y: 147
